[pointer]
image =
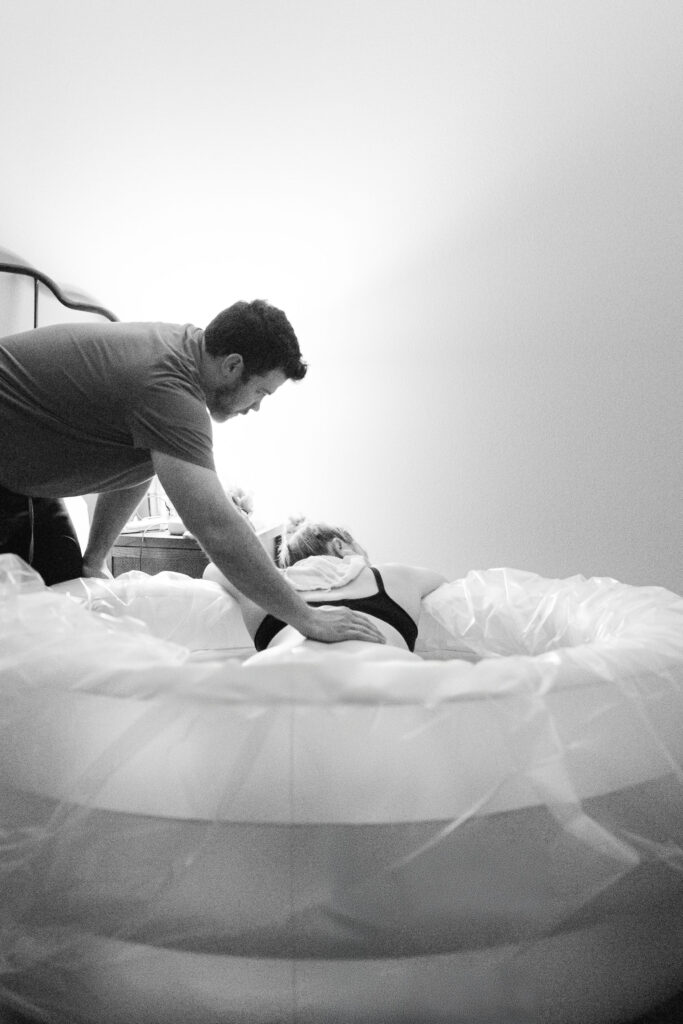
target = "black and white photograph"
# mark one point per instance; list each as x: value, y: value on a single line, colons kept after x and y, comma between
x: 341, y: 512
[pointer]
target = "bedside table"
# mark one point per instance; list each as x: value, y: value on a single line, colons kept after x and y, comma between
x: 154, y: 551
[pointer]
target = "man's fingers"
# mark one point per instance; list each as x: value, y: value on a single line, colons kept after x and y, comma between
x: 360, y: 627
x: 367, y: 630
x: 344, y: 624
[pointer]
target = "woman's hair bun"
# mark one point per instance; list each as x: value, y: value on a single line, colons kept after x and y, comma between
x: 302, y: 537
x: 293, y: 524
x: 295, y: 521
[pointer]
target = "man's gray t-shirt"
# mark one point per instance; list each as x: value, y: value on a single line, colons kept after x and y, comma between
x: 82, y: 406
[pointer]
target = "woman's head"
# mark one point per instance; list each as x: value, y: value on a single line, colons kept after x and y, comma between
x: 302, y: 538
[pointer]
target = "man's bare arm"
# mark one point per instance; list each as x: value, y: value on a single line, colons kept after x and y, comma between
x: 229, y: 541
x: 113, y: 509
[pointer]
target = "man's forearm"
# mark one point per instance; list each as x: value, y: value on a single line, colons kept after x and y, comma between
x: 227, y: 538
x: 200, y: 500
x: 113, y: 509
x: 239, y: 555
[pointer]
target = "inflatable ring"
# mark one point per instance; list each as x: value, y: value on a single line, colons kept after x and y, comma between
x: 331, y: 839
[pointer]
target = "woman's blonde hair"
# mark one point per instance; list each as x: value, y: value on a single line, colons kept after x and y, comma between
x: 302, y: 538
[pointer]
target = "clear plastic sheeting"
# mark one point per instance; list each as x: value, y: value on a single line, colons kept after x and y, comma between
x: 334, y: 838
x: 195, y: 613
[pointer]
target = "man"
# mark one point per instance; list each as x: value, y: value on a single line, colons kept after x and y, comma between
x: 101, y: 408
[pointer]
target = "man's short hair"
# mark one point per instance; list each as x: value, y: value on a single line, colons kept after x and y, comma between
x: 261, y: 334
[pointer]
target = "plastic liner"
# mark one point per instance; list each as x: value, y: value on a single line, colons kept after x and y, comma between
x: 334, y: 838
x: 194, y: 613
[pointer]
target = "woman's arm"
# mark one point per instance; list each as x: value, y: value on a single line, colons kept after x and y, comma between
x: 421, y: 582
x: 427, y: 581
x: 409, y: 584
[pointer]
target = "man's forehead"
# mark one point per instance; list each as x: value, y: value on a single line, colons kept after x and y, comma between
x: 272, y: 380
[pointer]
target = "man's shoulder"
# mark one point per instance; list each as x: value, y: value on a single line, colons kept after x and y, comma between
x: 155, y: 350
x: 160, y: 330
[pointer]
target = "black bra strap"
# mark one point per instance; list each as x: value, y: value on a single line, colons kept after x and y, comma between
x: 378, y: 580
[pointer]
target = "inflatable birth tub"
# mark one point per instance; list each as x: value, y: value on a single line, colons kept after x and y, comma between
x: 492, y: 833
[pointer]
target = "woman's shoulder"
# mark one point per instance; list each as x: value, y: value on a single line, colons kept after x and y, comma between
x: 399, y: 575
x: 360, y: 584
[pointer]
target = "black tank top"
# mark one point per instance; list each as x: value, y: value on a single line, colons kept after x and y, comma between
x: 380, y: 605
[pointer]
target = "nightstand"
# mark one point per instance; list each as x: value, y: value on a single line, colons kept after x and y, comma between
x: 154, y: 551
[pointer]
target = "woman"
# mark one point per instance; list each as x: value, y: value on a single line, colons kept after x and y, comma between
x: 326, y: 566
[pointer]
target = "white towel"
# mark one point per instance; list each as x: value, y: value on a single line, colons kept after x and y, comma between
x: 324, y: 572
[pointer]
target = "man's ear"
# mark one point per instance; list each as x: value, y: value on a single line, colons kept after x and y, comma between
x: 232, y: 366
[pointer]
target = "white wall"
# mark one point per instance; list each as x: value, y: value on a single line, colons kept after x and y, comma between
x: 471, y: 212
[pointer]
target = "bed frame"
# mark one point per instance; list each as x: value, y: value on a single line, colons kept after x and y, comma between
x: 10, y: 263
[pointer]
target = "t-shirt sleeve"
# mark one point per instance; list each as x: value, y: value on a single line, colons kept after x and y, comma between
x: 167, y: 419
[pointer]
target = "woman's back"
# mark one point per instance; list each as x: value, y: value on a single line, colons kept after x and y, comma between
x: 404, y: 586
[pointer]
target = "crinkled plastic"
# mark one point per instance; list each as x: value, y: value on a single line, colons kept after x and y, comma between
x: 172, y: 607
x: 337, y: 839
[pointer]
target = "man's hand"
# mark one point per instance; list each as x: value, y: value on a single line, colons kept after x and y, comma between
x: 94, y: 571
x: 332, y: 624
